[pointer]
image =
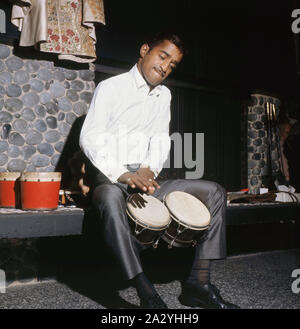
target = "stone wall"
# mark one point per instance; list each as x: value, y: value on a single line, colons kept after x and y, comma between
x: 39, y: 102
x: 19, y: 260
x: 38, y: 105
x: 257, y: 141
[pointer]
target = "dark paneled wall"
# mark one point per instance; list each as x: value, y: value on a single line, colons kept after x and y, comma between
x: 216, y: 115
x: 232, y: 43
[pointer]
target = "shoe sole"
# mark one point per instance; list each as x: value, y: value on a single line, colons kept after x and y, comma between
x: 191, y: 301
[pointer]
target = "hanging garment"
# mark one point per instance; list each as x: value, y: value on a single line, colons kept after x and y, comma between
x: 31, y: 20
x: 65, y: 27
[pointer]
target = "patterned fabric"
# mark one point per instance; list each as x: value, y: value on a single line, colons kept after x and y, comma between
x: 70, y: 30
x: 93, y: 9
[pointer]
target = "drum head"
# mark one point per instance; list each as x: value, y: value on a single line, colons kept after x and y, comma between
x: 189, y: 210
x: 153, y: 213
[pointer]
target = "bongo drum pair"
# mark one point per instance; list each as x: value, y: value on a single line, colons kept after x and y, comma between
x: 178, y: 220
x: 30, y: 190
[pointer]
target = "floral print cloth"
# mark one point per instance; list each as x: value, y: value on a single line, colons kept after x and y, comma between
x: 70, y: 30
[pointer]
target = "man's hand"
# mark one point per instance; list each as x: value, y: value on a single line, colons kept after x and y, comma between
x: 148, y: 174
x: 142, y: 179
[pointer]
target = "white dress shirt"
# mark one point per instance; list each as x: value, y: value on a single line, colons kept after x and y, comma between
x: 127, y: 124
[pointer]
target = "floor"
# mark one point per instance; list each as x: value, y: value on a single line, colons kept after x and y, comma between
x: 253, y: 281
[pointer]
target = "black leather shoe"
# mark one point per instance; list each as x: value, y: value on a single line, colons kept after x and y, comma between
x: 203, y: 295
x: 153, y: 302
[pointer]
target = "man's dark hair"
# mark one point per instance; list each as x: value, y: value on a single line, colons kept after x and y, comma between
x: 158, y: 38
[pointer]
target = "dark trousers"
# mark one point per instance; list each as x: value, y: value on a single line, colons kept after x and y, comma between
x: 110, y: 202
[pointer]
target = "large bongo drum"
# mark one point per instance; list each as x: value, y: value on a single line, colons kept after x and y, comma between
x: 9, y: 191
x: 189, y: 217
x: 40, y: 190
x: 148, y: 218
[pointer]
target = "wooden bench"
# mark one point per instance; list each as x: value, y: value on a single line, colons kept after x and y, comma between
x: 262, y: 213
x: 65, y: 221
x: 15, y: 223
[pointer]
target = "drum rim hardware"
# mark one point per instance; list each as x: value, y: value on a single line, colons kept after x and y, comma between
x: 10, y: 176
x: 196, y: 228
x: 175, y: 238
x: 170, y: 240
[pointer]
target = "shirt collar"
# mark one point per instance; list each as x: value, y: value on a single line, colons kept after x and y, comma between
x: 141, y: 83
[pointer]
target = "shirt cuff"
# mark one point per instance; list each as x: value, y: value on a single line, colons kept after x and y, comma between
x: 155, y: 171
x: 114, y: 174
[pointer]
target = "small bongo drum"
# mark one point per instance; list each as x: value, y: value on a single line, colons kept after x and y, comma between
x: 9, y: 191
x: 148, y: 217
x: 189, y: 217
x: 40, y: 190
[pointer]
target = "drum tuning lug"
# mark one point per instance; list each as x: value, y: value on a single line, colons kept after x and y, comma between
x: 155, y: 244
x: 170, y: 245
x: 194, y: 243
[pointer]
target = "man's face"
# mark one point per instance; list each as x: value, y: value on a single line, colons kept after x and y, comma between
x: 156, y: 64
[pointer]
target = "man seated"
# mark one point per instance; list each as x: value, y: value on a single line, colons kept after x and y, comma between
x: 127, y: 125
